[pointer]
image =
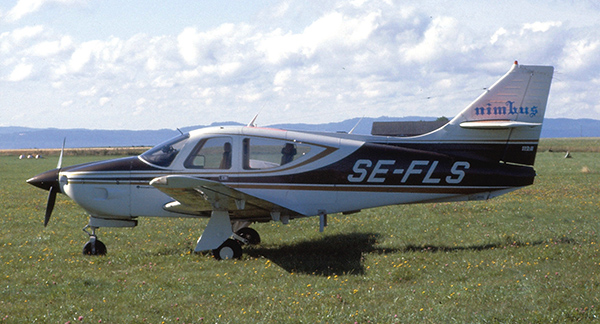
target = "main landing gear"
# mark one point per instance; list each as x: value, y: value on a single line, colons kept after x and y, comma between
x: 94, y: 246
x: 248, y: 234
x: 232, y: 248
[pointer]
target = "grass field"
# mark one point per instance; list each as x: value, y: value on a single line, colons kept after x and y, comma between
x: 582, y: 144
x: 532, y: 256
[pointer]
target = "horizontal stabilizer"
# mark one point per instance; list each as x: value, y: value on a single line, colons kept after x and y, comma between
x: 497, y: 124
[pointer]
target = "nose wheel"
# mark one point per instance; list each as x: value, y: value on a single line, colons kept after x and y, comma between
x: 230, y: 249
x: 94, y: 246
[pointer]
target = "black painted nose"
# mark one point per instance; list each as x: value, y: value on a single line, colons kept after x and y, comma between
x: 46, y: 180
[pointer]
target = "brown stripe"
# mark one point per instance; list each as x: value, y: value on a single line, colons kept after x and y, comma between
x: 409, y: 189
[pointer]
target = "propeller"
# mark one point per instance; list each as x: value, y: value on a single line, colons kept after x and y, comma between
x: 62, y: 151
x: 49, y: 181
x: 50, y: 205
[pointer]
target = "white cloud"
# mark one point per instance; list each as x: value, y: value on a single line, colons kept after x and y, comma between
x: 17, y: 39
x: 187, y: 48
x: 162, y: 82
x: 83, y: 54
x: 51, y: 48
x: 333, y: 31
x: 22, y: 8
x: 103, y: 101
x: 89, y: 92
x: 196, y: 46
x: 346, y: 59
x: 442, y: 38
x: 500, y: 32
x: 26, y: 32
x: 540, y: 26
x: 581, y: 55
x: 280, y: 9
x: 98, y: 57
x: 21, y: 72
x: 335, y: 28
x: 250, y: 97
x: 26, y: 7
x: 282, y: 77
x: 140, y: 106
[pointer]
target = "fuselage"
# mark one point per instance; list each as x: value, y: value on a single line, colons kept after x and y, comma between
x: 299, y: 173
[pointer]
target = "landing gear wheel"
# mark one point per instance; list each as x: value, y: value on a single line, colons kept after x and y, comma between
x: 230, y: 249
x: 249, y: 234
x: 94, y: 247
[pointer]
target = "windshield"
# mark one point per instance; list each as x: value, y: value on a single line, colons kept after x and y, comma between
x: 164, y: 154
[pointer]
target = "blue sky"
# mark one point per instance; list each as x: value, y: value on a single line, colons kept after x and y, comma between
x: 155, y: 64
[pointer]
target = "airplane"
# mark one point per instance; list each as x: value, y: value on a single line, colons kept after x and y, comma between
x: 239, y: 175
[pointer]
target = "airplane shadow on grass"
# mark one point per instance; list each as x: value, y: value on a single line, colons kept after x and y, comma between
x: 331, y: 255
x: 344, y: 253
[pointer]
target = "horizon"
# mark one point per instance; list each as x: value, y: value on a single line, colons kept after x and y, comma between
x: 23, y: 138
x: 236, y: 123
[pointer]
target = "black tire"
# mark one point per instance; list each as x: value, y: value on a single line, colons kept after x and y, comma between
x: 249, y: 234
x: 94, y: 247
x: 230, y: 249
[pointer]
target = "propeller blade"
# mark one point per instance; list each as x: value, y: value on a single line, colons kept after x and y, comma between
x: 62, y: 151
x: 50, y: 205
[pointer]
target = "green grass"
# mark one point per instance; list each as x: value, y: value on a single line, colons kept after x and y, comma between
x: 531, y: 256
x: 582, y: 144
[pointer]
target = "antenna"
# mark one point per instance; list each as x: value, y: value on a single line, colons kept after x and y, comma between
x: 352, y: 130
x: 252, y: 122
x: 179, y: 130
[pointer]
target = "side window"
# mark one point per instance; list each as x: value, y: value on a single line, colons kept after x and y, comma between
x: 212, y: 153
x: 264, y: 153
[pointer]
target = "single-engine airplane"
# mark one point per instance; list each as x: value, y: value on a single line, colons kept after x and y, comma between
x: 240, y: 175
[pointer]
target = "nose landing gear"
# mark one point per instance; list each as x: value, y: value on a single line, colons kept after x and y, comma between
x: 94, y: 246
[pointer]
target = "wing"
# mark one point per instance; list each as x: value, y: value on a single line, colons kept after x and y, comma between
x: 197, y: 196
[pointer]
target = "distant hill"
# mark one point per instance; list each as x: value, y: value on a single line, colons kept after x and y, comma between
x: 25, y: 138
x: 566, y: 127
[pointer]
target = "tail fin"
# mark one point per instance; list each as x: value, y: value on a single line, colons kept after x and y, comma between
x: 510, y: 111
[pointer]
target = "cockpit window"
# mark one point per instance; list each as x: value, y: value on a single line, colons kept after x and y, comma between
x: 265, y: 153
x: 211, y: 153
x: 164, y: 154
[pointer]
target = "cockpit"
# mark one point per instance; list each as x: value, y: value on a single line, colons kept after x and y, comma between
x: 230, y: 152
x: 163, y: 154
x: 256, y: 153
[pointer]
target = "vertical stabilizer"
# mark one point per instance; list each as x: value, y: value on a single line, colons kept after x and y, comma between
x: 512, y: 110
x: 520, y: 95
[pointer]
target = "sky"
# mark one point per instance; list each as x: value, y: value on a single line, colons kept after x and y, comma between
x: 108, y: 64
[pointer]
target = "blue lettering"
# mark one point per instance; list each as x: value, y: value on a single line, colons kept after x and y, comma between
x: 523, y: 110
x: 511, y: 110
x: 500, y: 110
x: 488, y: 110
x: 534, y: 111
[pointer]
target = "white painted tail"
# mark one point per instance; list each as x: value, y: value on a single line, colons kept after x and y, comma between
x: 510, y: 112
x: 519, y: 97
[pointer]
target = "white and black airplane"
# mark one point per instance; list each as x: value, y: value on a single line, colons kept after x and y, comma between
x: 240, y: 175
